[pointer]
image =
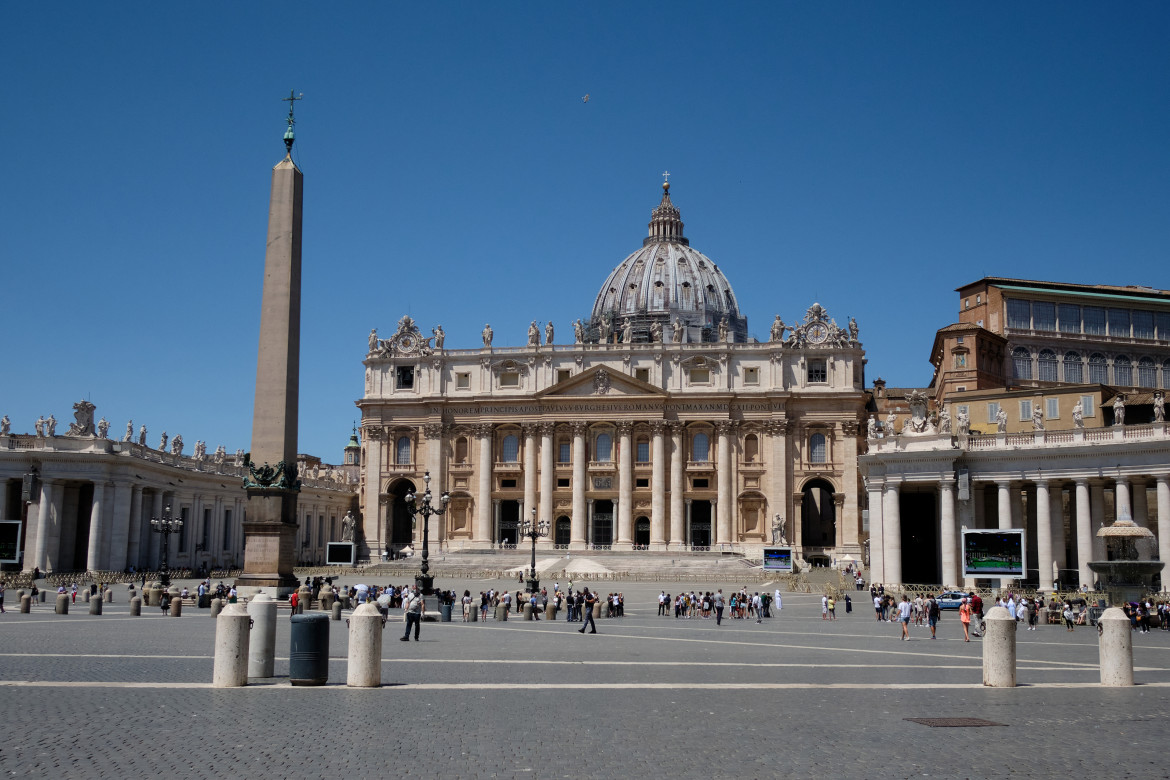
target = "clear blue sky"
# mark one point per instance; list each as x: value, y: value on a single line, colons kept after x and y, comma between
x: 870, y: 156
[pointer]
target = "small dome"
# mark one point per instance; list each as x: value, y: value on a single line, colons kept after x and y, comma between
x: 666, y: 280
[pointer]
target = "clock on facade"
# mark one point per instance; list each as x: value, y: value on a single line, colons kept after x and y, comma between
x: 817, y: 332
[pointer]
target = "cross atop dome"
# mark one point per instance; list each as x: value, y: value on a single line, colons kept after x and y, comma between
x: 665, y: 224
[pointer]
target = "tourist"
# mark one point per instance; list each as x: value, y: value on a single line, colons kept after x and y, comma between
x: 824, y: 607
x: 1033, y: 608
x: 75, y: 593
x: 466, y: 606
x: 719, y: 603
x: 1067, y: 614
x: 848, y: 604
x: 904, y: 610
x: 590, y: 600
x: 414, y: 607
x: 878, y: 601
x: 832, y: 608
x: 933, y: 613
x: 758, y: 606
x: 965, y: 618
x: 661, y: 603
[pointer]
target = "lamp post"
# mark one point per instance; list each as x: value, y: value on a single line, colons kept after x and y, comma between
x: 423, y: 507
x: 165, y: 525
x: 533, y: 530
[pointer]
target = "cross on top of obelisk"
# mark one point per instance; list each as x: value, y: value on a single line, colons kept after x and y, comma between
x: 289, y: 136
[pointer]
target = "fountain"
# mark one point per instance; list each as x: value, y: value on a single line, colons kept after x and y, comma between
x: 1126, y: 577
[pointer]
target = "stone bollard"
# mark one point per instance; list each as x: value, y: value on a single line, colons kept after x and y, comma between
x: 176, y: 607
x: 550, y: 611
x: 153, y: 596
x: 502, y: 611
x: 42, y: 596
x: 109, y: 596
x: 1115, y: 645
x: 999, y: 649
x: 135, y: 606
x: 597, y: 610
x: 231, y: 647
x: 304, y: 599
x: 85, y: 595
x: 62, y: 607
x: 21, y: 594
x: 95, y: 607
x: 336, y: 611
x: 216, y: 607
x: 365, y: 647
x: 262, y: 652
x: 25, y: 604
x: 528, y: 611
x: 326, y: 600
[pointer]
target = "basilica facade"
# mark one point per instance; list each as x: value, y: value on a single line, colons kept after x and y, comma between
x: 660, y: 425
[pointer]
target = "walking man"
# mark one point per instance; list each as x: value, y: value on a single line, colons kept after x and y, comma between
x: 719, y: 607
x: 590, y: 600
x: 904, y: 617
x: 414, y: 610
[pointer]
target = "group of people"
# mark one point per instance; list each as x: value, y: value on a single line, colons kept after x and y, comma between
x: 704, y: 605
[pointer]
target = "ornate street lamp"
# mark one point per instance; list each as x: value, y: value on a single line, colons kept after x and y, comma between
x: 424, y: 581
x: 534, y: 530
x: 165, y: 525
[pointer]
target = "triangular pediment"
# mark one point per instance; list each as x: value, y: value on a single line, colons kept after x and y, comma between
x: 601, y: 382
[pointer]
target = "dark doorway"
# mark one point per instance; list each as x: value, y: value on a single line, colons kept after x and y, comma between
x: 602, y: 523
x: 509, y: 523
x: 401, y: 525
x: 81, y: 537
x: 700, y: 530
x: 642, y: 533
x: 562, y: 534
x: 818, y: 515
x: 920, y: 544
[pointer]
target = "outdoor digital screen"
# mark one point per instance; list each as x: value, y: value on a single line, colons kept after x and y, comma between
x: 777, y: 559
x: 339, y: 553
x: 10, y: 541
x: 993, y: 553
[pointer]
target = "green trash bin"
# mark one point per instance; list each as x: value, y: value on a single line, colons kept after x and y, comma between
x: 308, y: 657
x: 444, y: 613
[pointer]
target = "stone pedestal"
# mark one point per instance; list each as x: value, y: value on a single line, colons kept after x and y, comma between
x: 262, y: 652
x: 999, y: 649
x: 365, y: 648
x: 271, y: 547
x: 231, y: 648
x: 1115, y: 648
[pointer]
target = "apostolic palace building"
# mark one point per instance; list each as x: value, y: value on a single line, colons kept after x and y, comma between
x: 657, y: 424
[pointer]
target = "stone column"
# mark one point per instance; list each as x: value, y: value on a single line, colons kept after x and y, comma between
x: 372, y: 523
x: 93, y: 560
x: 1097, y: 502
x: 120, y: 528
x: 579, y: 520
x: 1141, y: 509
x: 949, y: 532
x: 4, y: 482
x: 1004, y: 504
x: 134, y: 545
x: 483, y: 498
x: 689, y: 537
x: 1056, y: 515
x: 529, y: 431
x: 625, y: 530
x: 589, y: 522
x: 44, y: 515
x: 723, y: 430
x: 1163, y: 482
x: 657, y: 485
x: 496, y: 515
x: 892, y: 536
x: 1084, y: 532
x: 679, y: 512
x: 849, y: 518
x: 433, y: 433
x: 1044, y: 551
x: 547, y: 477
x: 876, y: 534
x: 1121, y: 502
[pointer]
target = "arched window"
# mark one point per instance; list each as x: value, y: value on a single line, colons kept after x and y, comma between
x: 1098, y: 369
x: 604, y: 447
x: 1166, y: 373
x: 1122, y: 370
x: 751, y: 448
x: 1073, y: 370
x: 510, y: 449
x: 461, y: 449
x: 1046, y: 366
x: 1147, y: 372
x: 402, y: 451
x: 816, y: 448
x: 700, y: 447
x: 1021, y: 363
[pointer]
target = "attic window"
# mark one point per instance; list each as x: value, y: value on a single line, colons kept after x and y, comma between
x: 658, y: 283
x: 702, y: 264
x: 686, y: 284
x: 710, y: 288
x: 633, y: 287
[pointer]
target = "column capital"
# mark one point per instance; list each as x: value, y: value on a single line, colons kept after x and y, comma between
x: 624, y: 428
x: 850, y: 427
x: 433, y: 430
x: 483, y: 430
x: 580, y: 428
x: 372, y: 432
x: 529, y: 429
x: 724, y: 427
x: 657, y: 427
x: 547, y: 428
x: 776, y: 427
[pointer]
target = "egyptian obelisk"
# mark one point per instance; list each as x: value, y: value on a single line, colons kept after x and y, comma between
x: 271, y: 482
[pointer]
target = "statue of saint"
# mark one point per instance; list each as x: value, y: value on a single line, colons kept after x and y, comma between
x: 603, y: 331
x: 578, y: 332
x: 162, y: 442
x: 1037, y: 417
x: 129, y: 435
x: 778, y: 328
x: 51, y: 425
x: 871, y: 427
x: 964, y: 423
x: 1118, y: 410
x: 440, y: 336
x: 5, y: 425
x: 533, y: 335
x: 1078, y: 413
x: 656, y: 332
x: 103, y: 427
x: 177, y: 444
x: 891, y: 421
x: 373, y: 339
x: 627, y: 331
x: 1159, y: 406
x: 548, y: 332
x: 853, y: 331
x: 487, y: 335
x: 39, y: 425
x: 944, y: 421
x: 724, y: 331
x: 1001, y: 420
x: 347, y: 524
x: 676, y: 331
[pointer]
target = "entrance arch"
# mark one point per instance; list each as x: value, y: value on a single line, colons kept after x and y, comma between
x: 400, y: 525
x: 602, y: 523
x: 642, y: 533
x: 509, y: 533
x: 561, y: 535
x: 818, y: 515
x: 699, y: 532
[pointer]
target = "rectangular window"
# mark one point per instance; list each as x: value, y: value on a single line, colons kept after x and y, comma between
x: 563, y: 375
x: 1070, y: 318
x: 1025, y: 410
x: 1162, y: 321
x: 205, y: 535
x: 1052, y: 410
x: 699, y: 482
x: 463, y: 381
x: 564, y: 450
x: 751, y: 376
x: 1087, y: 408
x: 992, y: 412
x: 700, y: 376
x: 509, y: 379
x: 1094, y: 317
x: 562, y: 482
x: 1043, y: 315
x: 816, y: 371
x: 227, y: 529
x: 1119, y: 323
x: 507, y: 483
x: 642, y: 374
x: 1019, y: 314
x: 642, y: 483
x: 643, y: 452
x: 404, y: 377
x: 1143, y: 324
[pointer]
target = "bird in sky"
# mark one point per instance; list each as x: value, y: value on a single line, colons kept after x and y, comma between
x: 586, y: 98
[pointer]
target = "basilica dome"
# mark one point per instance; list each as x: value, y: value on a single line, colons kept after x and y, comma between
x: 668, y: 283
